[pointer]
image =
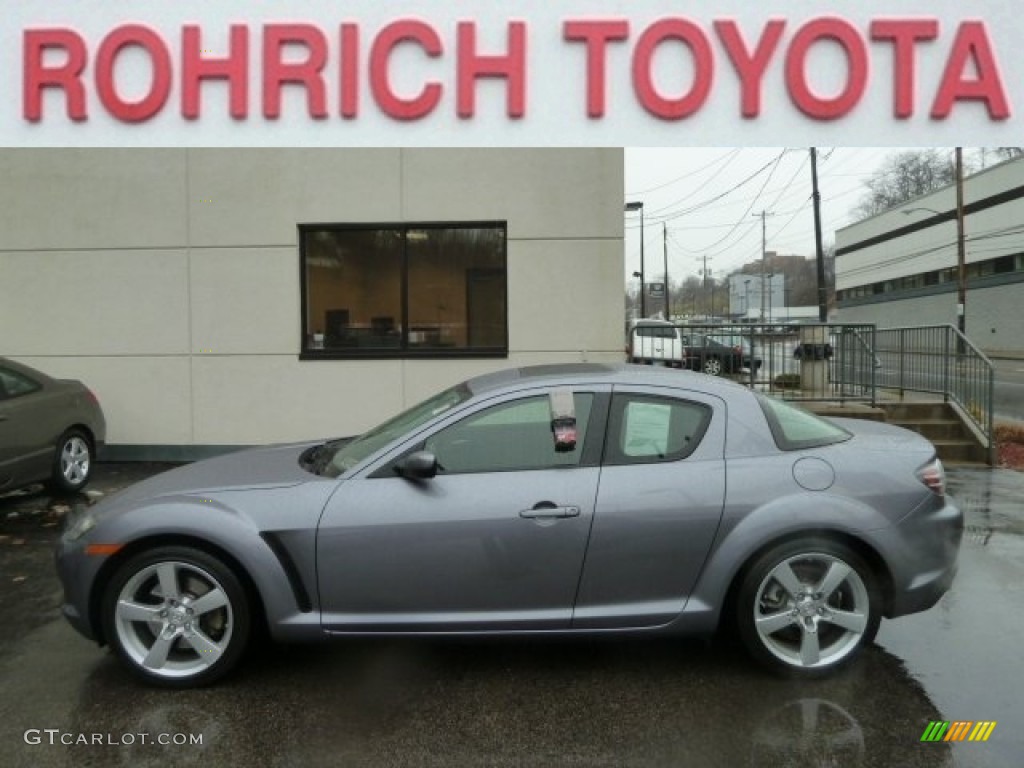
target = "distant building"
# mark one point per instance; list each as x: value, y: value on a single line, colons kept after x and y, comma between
x: 746, y: 292
x: 899, y: 268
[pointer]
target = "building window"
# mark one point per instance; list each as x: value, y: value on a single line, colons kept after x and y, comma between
x: 404, y: 290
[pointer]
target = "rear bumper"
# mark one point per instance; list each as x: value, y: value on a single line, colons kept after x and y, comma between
x: 927, y: 561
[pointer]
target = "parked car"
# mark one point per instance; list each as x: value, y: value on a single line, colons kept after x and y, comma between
x: 709, y: 355
x: 580, y: 500
x: 655, y: 342
x: 50, y: 429
x: 743, y: 345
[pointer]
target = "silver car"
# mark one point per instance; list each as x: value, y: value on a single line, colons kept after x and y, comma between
x: 50, y: 429
x: 558, y: 500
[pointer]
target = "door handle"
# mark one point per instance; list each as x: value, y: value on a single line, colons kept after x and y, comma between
x: 4, y: 417
x: 547, y: 510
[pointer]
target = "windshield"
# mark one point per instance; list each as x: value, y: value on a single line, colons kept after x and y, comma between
x: 347, y: 455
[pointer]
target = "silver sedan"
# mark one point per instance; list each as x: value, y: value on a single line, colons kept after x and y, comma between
x: 579, y: 500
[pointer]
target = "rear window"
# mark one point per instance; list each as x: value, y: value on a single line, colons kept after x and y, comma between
x: 656, y: 331
x: 794, y: 428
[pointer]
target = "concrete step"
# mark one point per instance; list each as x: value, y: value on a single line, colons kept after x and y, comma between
x: 935, y: 429
x: 904, y: 411
x: 959, y: 451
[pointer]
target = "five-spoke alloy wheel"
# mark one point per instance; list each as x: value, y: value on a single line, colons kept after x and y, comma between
x: 72, y: 463
x: 807, y: 606
x: 177, y: 615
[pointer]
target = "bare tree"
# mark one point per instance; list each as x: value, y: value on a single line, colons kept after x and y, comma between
x: 904, y: 176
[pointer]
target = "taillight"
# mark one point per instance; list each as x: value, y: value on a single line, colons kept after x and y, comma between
x: 92, y: 397
x: 934, y: 476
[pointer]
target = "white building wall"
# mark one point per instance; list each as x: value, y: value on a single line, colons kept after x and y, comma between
x: 168, y: 280
x: 934, y: 247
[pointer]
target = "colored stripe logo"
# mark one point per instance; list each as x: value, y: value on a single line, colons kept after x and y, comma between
x: 958, y: 730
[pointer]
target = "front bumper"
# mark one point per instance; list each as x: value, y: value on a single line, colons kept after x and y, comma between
x: 76, y: 572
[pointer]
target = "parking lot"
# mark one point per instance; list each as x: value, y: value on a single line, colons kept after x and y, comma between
x: 635, y: 702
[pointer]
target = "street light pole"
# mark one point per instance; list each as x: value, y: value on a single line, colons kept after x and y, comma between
x: 639, y: 206
x: 961, y: 250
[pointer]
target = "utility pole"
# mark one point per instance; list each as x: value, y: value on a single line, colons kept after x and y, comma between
x: 822, y: 288
x: 704, y: 273
x: 764, y: 256
x: 664, y: 240
x: 961, y: 250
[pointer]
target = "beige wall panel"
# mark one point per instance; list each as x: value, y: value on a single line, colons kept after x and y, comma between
x: 256, y: 197
x: 92, y: 198
x: 540, y: 192
x: 245, y: 300
x: 565, y: 295
x: 144, y: 399
x: 243, y: 400
x: 94, y: 303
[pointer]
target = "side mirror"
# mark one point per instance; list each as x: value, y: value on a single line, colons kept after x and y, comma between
x: 419, y: 465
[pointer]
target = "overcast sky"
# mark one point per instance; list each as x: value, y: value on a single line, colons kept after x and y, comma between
x: 710, y: 201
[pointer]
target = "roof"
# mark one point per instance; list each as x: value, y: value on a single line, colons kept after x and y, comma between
x: 609, y: 373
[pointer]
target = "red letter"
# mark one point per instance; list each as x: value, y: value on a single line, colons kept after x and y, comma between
x: 276, y: 72
x: 234, y: 68
x: 643, y: 82
x: 67, y: 76
x: 904, y: 34
x: 511, y: 66
x: 392, y: 35
x: 596, y: 35
x: 159, y: 89
x: 348, y: 80
x: 750, y: 66
x: 837, y: 31
x: 971, y: 44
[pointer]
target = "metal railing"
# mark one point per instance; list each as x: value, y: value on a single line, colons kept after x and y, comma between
x: 938, y: 359
x: 827, y: 362
x: 832, y: 362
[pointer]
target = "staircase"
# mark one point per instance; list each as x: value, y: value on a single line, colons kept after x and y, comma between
x: 955, y: 442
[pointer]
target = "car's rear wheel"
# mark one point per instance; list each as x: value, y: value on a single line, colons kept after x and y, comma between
x: 712, y: 366
x: 808, y: 606
x: 176, y: 616
x: 72, y: 462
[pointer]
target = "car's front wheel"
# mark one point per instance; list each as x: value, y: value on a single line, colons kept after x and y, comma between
x: 176, y: 616
x: 72, y: 462
x: 808, y: 606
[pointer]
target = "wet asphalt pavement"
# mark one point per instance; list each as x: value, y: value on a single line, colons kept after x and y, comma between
x: 609, y: 703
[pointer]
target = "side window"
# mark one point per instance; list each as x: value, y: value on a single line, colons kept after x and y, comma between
x: 508, y: 437
x: 646, y: 428
x: 13, y: 384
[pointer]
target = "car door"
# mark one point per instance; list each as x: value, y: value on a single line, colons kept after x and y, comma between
x: 659, y: 505
x: 25, y: 453
x: 495, y: 541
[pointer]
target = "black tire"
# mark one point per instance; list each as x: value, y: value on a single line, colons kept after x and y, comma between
x: 837, y: 616
x: 73, y: 461
x: 187, y: 634
x: 712, y: 366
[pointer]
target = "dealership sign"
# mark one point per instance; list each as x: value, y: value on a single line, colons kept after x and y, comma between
x: 92, y: 72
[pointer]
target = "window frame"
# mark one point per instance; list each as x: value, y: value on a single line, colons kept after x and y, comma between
x: 613, y: 454
x: 35, y: 385
x: 403, y: 351
x: 591, y: 447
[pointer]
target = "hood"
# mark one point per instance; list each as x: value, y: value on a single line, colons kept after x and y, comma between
x: 272, y: 467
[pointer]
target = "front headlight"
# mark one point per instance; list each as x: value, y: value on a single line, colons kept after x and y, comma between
x: 79, y: 524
